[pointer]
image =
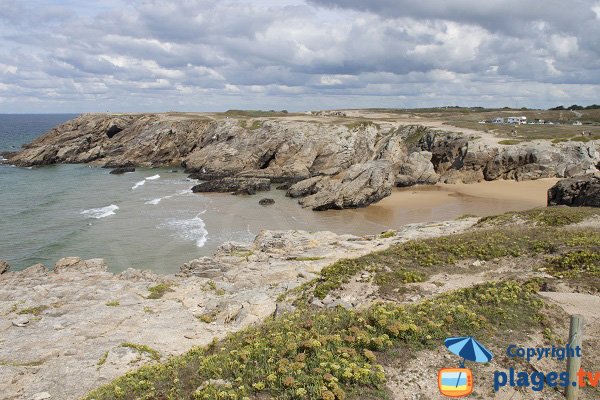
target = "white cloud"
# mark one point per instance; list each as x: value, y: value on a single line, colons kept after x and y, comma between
x: 211, y: 55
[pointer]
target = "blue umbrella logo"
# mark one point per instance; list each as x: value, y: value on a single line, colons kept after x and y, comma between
x: 469, y: 349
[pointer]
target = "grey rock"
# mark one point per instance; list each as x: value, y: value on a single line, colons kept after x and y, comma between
x: 417, y: 169
x: 41, y: 396
x: 235, y: 185
x: 358, y: 186
x: 204, y: 267
x: 4, y: 266
x: 266, y: 202
x: 76, y: 264
x: 21, y: 321
x: 579, y: 191
x: 122, y: 170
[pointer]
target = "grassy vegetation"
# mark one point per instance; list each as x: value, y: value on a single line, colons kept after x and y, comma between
x: 387, y: 235
x: 509, y: 141
x: 143, y: 349
x: 33, y: 310
x: 305, y: 258
x: 113, y: 303
x: 102, y: 359
x: 158, y: 291
x: 328, y: 354
x: 552, y: 216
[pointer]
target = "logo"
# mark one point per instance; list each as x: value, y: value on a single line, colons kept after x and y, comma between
x: 458, y: 382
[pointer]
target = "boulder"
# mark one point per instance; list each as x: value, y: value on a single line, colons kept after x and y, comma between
x: 418, y: 169
x: 266, y: 202
x: 4, y: 266
x: 576, y: 192
x: 122, y: 170
x: 235, y: 185
x: 358, y: 186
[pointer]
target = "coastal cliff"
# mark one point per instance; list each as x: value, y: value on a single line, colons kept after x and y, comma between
x: 326, y: 162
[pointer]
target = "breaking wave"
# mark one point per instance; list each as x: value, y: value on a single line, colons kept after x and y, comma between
x: 101, y: 212
x: 192, y: 229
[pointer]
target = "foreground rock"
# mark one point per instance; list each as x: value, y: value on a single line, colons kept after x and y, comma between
x: 71, y: 327
x: 579, y: 191
x: 234, y: 185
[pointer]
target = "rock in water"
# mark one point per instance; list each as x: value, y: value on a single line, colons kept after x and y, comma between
x: 358, y: 186
x: 579, y: 191
x: 4, y: 266
x: 235, y: 185
x: 122, y: 170
x: 266, y: 202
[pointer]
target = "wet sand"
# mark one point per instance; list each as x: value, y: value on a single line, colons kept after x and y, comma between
x: 443, y: 201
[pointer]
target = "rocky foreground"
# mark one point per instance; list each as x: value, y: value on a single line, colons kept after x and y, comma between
x: 68, y: 330
x: 327, y: 162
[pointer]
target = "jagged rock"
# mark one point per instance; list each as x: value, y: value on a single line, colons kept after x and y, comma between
x: 203, y: 267
x: 266, y: 202
x: 122, y: 170
x: 34, y: 270
x: 76, y: 264
x: 235, y: 185
x: 418, y: 169
x: 4, y: 266
x: 579, y: 191
x: 359, y: 186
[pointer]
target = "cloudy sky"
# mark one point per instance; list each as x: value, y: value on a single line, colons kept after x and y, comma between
x: 207, y: 55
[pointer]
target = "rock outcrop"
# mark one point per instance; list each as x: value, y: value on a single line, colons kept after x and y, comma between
x: 459, y: 159
x: 322, y: 162
x: 576, y: 192
x: 234, y: 185
x: 358, y: 186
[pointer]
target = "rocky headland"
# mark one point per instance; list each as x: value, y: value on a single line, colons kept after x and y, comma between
x: 325, y: 161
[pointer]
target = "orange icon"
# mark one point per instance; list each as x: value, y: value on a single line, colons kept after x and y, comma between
x: 455, y: 382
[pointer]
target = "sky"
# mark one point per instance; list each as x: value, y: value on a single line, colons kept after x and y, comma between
x: 208, y: 55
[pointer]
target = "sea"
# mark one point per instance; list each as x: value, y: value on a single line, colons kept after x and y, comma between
x: 150, y: 219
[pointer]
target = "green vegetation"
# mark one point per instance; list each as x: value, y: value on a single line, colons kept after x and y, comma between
x: 328, y: 354
x: 208, y: 317
x: 158, y: 291
x: 102, y: 359
x: 212, y: 286
x: 551, y: 216
x: 509, y: 141
x: 33, y: 310
x: 583, y: 139
x: 113, y: 303
x: 305, y: 258
x: 387, y: 235
x: 143, y: 349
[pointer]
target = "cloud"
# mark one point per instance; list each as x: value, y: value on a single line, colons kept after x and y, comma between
x: 150, y: 55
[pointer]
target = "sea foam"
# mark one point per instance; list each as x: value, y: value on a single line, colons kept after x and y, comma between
x: 100, y: 212
x: 138, y: 184
x: 153, y: 177
x: 192, y: 229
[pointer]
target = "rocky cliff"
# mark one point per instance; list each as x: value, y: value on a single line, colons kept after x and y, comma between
x: 328, y: 163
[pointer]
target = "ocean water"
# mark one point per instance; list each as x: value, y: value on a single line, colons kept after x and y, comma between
x: 149, y: 219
